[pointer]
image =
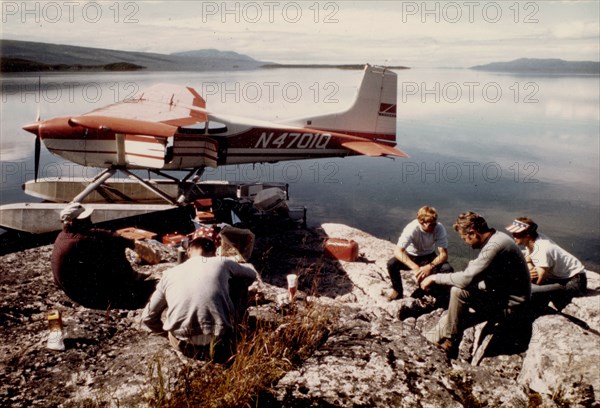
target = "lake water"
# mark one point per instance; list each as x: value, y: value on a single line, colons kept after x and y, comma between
x: 502, y: 145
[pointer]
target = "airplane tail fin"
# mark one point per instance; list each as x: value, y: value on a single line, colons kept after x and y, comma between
x: 373, y: 113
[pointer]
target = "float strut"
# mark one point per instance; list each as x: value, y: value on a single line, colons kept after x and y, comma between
x: 99, y: 179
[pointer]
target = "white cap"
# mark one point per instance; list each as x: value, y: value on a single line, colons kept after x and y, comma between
x: 75, y: 211
x: 517, y: 227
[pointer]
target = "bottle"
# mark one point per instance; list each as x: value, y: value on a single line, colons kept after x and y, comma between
x: 55, y: 335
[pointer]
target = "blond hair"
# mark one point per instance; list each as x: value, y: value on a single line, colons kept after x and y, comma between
x: 427, y: 214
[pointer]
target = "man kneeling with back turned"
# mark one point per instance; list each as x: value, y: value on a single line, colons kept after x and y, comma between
x: 201, y: 313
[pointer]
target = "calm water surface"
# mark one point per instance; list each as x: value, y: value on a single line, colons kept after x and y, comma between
x: 502, y: 145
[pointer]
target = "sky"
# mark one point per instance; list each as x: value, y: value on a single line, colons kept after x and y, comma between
x: 409, y: 33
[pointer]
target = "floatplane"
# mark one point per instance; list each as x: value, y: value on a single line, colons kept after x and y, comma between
x: 168, y: 128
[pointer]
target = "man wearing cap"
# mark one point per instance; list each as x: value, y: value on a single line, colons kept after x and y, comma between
x: 556, y: 275
x: 91, y: 267
x: 495, y: 284
x: 416, y: 250
x: 202, y: 309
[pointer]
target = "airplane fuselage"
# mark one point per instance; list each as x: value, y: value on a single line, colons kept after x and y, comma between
x: 167, y: 127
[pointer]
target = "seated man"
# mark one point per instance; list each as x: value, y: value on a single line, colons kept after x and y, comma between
x: 495, y: 284
x: 416, y: 250
x: 91, y: 267
x: 199, y: 297
x: 556, y: 275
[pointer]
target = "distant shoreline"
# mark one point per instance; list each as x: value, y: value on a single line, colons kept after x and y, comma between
x: 17, y: 65
x: 336, y: 66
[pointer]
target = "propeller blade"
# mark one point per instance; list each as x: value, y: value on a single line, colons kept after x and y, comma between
x: 36, y: 158
x: 39, y: 100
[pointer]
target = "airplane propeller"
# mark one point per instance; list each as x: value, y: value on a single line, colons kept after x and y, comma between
x: 35, y: 129
x: 36, y: 158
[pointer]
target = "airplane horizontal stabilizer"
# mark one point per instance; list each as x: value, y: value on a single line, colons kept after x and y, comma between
x: 126, y: 126
x: 373, y: 149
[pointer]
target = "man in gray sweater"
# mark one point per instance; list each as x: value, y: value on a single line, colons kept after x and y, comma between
x: 201, y: 313
x: 495, y: 284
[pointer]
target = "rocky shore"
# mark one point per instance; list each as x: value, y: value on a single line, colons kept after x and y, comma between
x: 375, y: 356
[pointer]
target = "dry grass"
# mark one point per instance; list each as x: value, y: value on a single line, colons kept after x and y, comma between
x: 264, y: 354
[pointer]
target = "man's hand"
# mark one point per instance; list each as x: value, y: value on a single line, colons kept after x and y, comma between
x: 426, y: 282
x: 423, y: 272
x: 533, y: 274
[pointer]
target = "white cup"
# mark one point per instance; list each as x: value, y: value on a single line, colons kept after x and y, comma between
x: 292, y: 280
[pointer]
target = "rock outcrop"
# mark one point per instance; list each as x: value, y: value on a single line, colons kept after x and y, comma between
x: 375, y: 355
x: 563, y: 358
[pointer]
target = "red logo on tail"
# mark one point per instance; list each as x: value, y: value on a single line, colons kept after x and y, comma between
x: 387, y: 109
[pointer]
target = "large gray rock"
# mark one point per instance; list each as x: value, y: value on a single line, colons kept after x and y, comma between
x: 379, y: 361
x: 563, y: 359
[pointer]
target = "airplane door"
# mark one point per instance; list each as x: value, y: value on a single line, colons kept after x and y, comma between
x: 191, y: 151
x: 142, y: 151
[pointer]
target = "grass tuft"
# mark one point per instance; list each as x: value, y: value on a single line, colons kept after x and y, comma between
x: 264, y: 354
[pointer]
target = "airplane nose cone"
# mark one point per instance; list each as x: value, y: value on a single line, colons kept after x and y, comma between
x: 33, y: 128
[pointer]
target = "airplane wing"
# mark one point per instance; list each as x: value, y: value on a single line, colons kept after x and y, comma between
x: 165, y: 103
x: 373, y: 149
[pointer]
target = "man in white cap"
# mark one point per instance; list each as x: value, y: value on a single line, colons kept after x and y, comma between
x: 556, y: 275
x: 91, y: 267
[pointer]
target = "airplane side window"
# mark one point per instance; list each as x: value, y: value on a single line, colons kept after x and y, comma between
x: 216, y: 128
x: 169, y: 150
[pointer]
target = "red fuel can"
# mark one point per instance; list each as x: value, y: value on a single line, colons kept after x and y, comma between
x: 342, y: 249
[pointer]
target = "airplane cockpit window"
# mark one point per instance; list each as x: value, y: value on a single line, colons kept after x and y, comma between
x: 200, y: 128
x: 169, y: 150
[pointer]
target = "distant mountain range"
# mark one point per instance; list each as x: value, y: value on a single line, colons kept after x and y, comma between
x: 26, y: 56
x: 543, y: 66
x: 22, y: 56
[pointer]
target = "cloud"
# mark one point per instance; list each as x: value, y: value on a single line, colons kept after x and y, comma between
x: 403, y: 33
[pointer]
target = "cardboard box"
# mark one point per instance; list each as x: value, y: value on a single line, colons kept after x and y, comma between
x: 136, y: 233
